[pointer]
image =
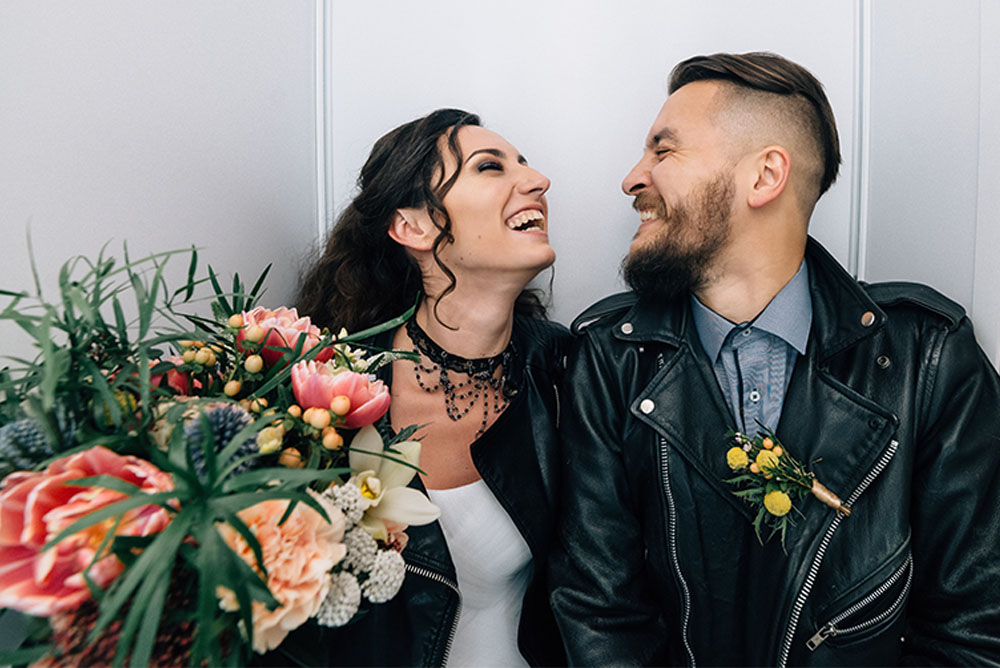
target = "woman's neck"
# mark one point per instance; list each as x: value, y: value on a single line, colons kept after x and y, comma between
x: 482, y: 324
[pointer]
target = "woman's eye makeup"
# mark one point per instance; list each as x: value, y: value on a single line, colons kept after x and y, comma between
x: 488, y: 165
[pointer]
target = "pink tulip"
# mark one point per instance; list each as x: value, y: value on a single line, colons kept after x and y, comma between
x: 284, y: 327
x: 315, y: 386
x: 36, y: 506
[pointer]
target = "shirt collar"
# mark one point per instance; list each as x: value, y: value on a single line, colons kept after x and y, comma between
x: 788, y: 316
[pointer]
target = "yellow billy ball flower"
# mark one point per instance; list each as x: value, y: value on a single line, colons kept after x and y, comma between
x: 232, y: 388
x: 766, y: 460
x: 767, y: 443
x: 236, y: 321
x: 777, y: 503
x: 189, y: 355
x: 736, y: 458
x: 202, y: 356
x: 295, y: 411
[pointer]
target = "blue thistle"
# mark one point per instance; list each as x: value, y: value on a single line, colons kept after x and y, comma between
x: 24, y: 444
x: 224, y: 420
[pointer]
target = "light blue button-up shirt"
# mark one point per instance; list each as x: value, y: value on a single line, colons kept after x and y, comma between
x: 753, y: 361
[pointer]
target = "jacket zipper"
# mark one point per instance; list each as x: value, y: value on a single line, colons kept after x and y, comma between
x: 672, y: 537
x: 800, y: 601
x: 830, y: 628
x: 451, y: 584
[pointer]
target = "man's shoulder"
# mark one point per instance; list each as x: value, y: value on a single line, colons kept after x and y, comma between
x: 917, y: 297
x: 604, y: 310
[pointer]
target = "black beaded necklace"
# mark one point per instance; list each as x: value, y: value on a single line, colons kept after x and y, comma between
x: 482, y: 379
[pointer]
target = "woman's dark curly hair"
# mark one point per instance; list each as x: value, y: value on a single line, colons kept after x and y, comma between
x: 364, y: 277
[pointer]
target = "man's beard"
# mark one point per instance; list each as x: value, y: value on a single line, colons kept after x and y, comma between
x: 674, y: 262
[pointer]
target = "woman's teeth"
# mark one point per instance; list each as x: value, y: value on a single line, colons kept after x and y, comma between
x: 526, y: 220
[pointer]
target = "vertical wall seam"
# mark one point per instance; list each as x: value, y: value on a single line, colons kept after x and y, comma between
x: 323, y: 148
x: 861, y: 140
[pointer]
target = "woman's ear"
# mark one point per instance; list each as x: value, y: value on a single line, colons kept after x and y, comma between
x: 412, y: 228
x: 773, y: 165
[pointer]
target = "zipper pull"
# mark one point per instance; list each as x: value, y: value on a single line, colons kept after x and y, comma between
x: 821, y: 635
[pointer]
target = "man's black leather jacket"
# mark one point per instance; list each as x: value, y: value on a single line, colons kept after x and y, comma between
x: 518, y: 460
x: 893, y: 406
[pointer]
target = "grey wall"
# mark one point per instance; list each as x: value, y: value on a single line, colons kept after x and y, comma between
x: 164, y: 124
x: 167, y: 124
x: 933, y: 214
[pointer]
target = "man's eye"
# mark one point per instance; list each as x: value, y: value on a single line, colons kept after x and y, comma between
x: 489, y: 164
x: 661, y: 152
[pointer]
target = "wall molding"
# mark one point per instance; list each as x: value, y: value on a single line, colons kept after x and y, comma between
x: 860, y: 141
x: 323, y: 40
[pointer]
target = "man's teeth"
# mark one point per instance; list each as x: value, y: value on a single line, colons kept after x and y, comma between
x: 647, y: 214
x: 528, y: 219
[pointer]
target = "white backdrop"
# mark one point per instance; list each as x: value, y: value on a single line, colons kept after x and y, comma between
x: 239, y: 125
x: 574, y: 86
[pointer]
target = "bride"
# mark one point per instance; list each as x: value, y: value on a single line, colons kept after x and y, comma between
x: 454, y: 212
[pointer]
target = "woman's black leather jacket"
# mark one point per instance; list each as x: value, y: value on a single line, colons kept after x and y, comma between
x: 894, y: 407
x: 517, y: 458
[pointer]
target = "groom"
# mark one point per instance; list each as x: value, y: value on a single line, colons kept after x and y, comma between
x: 738, y: 320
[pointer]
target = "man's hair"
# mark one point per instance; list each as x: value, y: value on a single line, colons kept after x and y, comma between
x: 772, y: 74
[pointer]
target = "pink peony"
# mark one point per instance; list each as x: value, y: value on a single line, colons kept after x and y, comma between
x: 284, y: 327
x: 316, y: 385
x: 298, y: 556
x: 35, y: 506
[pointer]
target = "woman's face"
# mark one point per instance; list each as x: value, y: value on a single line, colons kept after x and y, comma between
x: 498, y: 212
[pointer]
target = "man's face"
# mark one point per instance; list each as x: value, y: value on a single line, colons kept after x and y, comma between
x: 684, y: 190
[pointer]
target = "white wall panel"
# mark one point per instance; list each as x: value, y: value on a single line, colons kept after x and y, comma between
x: 574, y: 85
x: 164, y: 124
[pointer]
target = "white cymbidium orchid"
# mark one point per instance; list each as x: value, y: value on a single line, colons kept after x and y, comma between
x: 383, y: 483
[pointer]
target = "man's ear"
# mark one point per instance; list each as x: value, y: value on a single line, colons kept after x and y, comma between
x: 412, y: 228
x: 772, y: 166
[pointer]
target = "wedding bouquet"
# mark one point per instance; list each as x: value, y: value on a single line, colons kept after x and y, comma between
x: 183, y: 490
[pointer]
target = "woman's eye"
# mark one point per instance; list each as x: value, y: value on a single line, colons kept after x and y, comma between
x: 489, y: 164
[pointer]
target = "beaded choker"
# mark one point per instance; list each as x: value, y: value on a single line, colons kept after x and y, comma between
x: 482, y: 383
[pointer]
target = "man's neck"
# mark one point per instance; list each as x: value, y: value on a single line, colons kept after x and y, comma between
x: 747, y: 280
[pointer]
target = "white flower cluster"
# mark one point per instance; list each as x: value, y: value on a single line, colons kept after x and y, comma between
x: 386, y: 577
x: 349, y: 499
x: 342, y: 601
x: 368, y: 569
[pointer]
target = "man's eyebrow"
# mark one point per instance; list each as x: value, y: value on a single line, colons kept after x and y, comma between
x: 667, y: 134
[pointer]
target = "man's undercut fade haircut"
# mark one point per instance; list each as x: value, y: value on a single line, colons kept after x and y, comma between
x: 770, y: 73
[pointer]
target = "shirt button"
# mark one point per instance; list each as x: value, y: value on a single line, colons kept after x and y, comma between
x: 754, y: 396
x: 867, y: 319
x: 627, y: 328
x: 746, y: 332
x: 647, y: 406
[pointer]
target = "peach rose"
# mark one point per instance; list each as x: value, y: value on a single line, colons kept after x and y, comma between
x: 316, y: 385
x: 36, y: 506
x: 284, y: 328
x: 298, y: 556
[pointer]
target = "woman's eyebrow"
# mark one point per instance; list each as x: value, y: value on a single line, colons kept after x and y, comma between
x: 492, y: 151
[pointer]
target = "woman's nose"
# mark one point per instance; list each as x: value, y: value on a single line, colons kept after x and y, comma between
x: 534, y: 182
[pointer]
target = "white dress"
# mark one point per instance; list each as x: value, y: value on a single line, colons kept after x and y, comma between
x: 493, y: 564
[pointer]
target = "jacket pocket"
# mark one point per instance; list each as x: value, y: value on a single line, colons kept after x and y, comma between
x: 882, y: 605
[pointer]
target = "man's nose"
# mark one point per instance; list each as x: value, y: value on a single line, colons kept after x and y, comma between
x: 638, y: 179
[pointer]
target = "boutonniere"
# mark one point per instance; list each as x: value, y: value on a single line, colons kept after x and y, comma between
x: 773, y: 481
